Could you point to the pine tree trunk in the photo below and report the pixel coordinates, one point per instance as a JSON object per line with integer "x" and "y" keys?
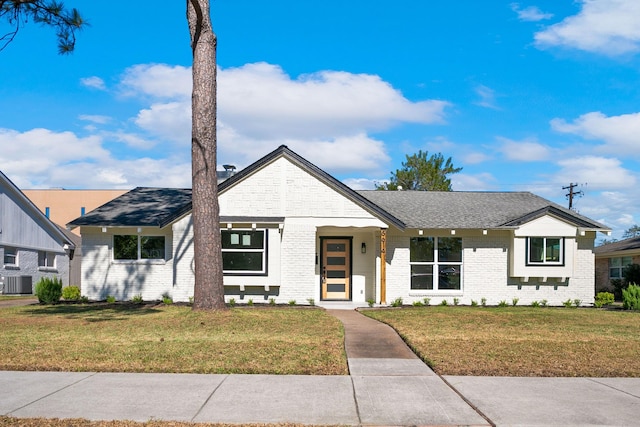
{"x": 208, "y": 288}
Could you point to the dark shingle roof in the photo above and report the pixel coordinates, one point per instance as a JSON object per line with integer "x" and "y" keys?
{"x": 142, "y": 206}
{"x": 623, "y": 245}
{"x": 453, "y": 209}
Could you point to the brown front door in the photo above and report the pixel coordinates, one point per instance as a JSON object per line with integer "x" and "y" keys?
{"x": 336, "y": 269}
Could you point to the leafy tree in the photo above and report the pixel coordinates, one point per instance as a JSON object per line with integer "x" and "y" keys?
{"x": 209, "y": 289}
{"x": 422, "y": 172}
{"x": 632, "y": 232}
{"x": 46, "y": 12}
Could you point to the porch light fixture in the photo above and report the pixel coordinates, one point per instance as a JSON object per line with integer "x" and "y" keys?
{"x": 453, "y": 232}
{"x": 229, "y": 226}
{"x": 104, "y": 229}
{"x": 139, "y": 229}
{"x": 420, "y": 232}
{"x": 363, "y": 248}
{"x": 484, "y": 232}
{"x": 253, "y": 226}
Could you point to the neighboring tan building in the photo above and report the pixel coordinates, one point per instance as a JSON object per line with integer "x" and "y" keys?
{"x": 63, "y": 206}
{"x": 291, "y": 231}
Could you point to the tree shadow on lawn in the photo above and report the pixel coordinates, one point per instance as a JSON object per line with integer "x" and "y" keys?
{"x": 93, "y": 312}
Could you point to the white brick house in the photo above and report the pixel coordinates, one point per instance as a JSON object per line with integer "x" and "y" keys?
{"x": 31, "y": 246}
{"x": 290, "y": 231}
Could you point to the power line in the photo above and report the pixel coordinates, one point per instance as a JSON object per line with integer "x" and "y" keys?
{"x": 572, "y": 194}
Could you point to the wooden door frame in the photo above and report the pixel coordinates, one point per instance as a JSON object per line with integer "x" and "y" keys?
{"x": 350, "y": 272}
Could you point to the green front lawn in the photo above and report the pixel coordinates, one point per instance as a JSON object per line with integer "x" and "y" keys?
{"x": 129, "y": 338}
{"x": 520, "y": 341}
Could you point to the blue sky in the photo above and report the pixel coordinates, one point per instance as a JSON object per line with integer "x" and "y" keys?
{"x": 526, "y": 96}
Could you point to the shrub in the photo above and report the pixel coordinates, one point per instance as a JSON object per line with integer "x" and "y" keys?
{"x": 232, "y": 302}
{"x": 418, "y": 303}
{"x": 397, "y": 302}
{"x": 474, "y": 303}
{"x": 166, "y": 298}
{"x": 371, "y": 302}
{"x": 483, "y": 301}
{"x": 543, "y": 303}
{"x": 456, "y": 301}
{"x": 444, "y": 303}
{"x": 137, "y": 299}
{"x": 292, "y": 302}
{"x": 631, "y": 297}
{"x": 49, "y": 290}
{"x": 618, "y": 285}
{"x": 426, "y": 301}
{"x": 71, "y": 293}
{"x": 568, "y": 303}
{"x": 311, "y": 301}
{"x": 190, "y": 303}
{"x": 250, "y": 302}
{"x": 502, "y": 303}
{"x": 514, "y": 301}
{"x": 111, "y": 299}
{"x": 535, "y": 304}
{"x": 577, "y": 302}
{"x": 84, "y": 299}
{"x": 272, "y": 301}
{"x": 603, "y": 298}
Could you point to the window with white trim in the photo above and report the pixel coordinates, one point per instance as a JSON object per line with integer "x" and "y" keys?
{"x": 244, "y": 251}
{"x": 617, "y": 266}
{"x": 10, "y": 256}
{"x": 46, "y": 259}
{"x": 436, "y": 263}
{"x": 133, "y": 247}
{"x": 545, "y": 251}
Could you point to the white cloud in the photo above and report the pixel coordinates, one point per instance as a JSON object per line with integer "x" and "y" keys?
{"x": 620, "y": 133}
{"x": 598, "y": 173}
{"x": 530, "y": 13}
{"x": 487, "y": 97}
{"x": 478, "y": 182}
{"x": 473, "y": 158}
{"x": 524, "y": 151}
{"x": 171, "y": 120}
{"x": 93, "y": 82}
{"x": 608, "y": 27}
{"x": 95, "y": 118}
{"x": 157, "y": 80}
{"x": 363, "y": 183}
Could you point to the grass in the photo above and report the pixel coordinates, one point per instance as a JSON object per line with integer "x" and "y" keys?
{"x": 171, "y": 338}
{"x": 520, "y": 341}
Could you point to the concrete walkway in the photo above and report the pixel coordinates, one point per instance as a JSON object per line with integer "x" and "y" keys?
{"x": 387, "y": 385}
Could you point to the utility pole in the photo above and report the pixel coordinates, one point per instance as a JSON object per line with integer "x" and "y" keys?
{"x": 571, "y": 194}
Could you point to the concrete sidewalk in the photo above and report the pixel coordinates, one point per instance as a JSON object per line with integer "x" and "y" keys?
{"x": 387, "y": 385}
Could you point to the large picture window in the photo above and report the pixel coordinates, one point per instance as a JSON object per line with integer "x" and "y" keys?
{"x": 436, "y": 263}
{"x": 132, "y": 247}
{"x": 545, "y": 251}
{"x": 617, "y": 266}
{"x": 244, "y": 251}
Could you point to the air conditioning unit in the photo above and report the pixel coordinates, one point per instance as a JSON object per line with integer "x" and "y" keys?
{"x": 18, "y": 285}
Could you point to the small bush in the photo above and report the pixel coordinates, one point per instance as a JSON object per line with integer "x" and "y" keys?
{"x": 514, "y": 302}
{"x": 535, "y": 304}
{"x": 49, "y": 290}
{"x": 397, "y": 302}
{"x": 426, "y": 301}
{"x": 568, "y": 303}
{"x": 631, "y": 297}
{"x": 577, "y": 302}
{"x": 292, "y": 302}
{"x": 250, "y": 302}
{"x": 502, "y": 303}
{"x": 272, "y": 301}
{"x": 474, "y": 303}
{"x": 603, "y": 298}
{"x": 232, "y": 302}
{"x": 111, "y": 299}
{"x": 544, "y": 303}
{"x": 84, "y": 299}
{"x": 371, "y": 302}
{"x": 456, "y": 301}
{"x": 444, "y": 302}
{"x": 137, "y": 299}
{"x": 166, "y": 298}
{"x": 618, "y": 285}
{"x": 71, "y": 293}
{"x": 311, "y": 301}
{"x": 190, "y": 303}
{"x": 418, "y": 303}
{"x": 483, "y": 302}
